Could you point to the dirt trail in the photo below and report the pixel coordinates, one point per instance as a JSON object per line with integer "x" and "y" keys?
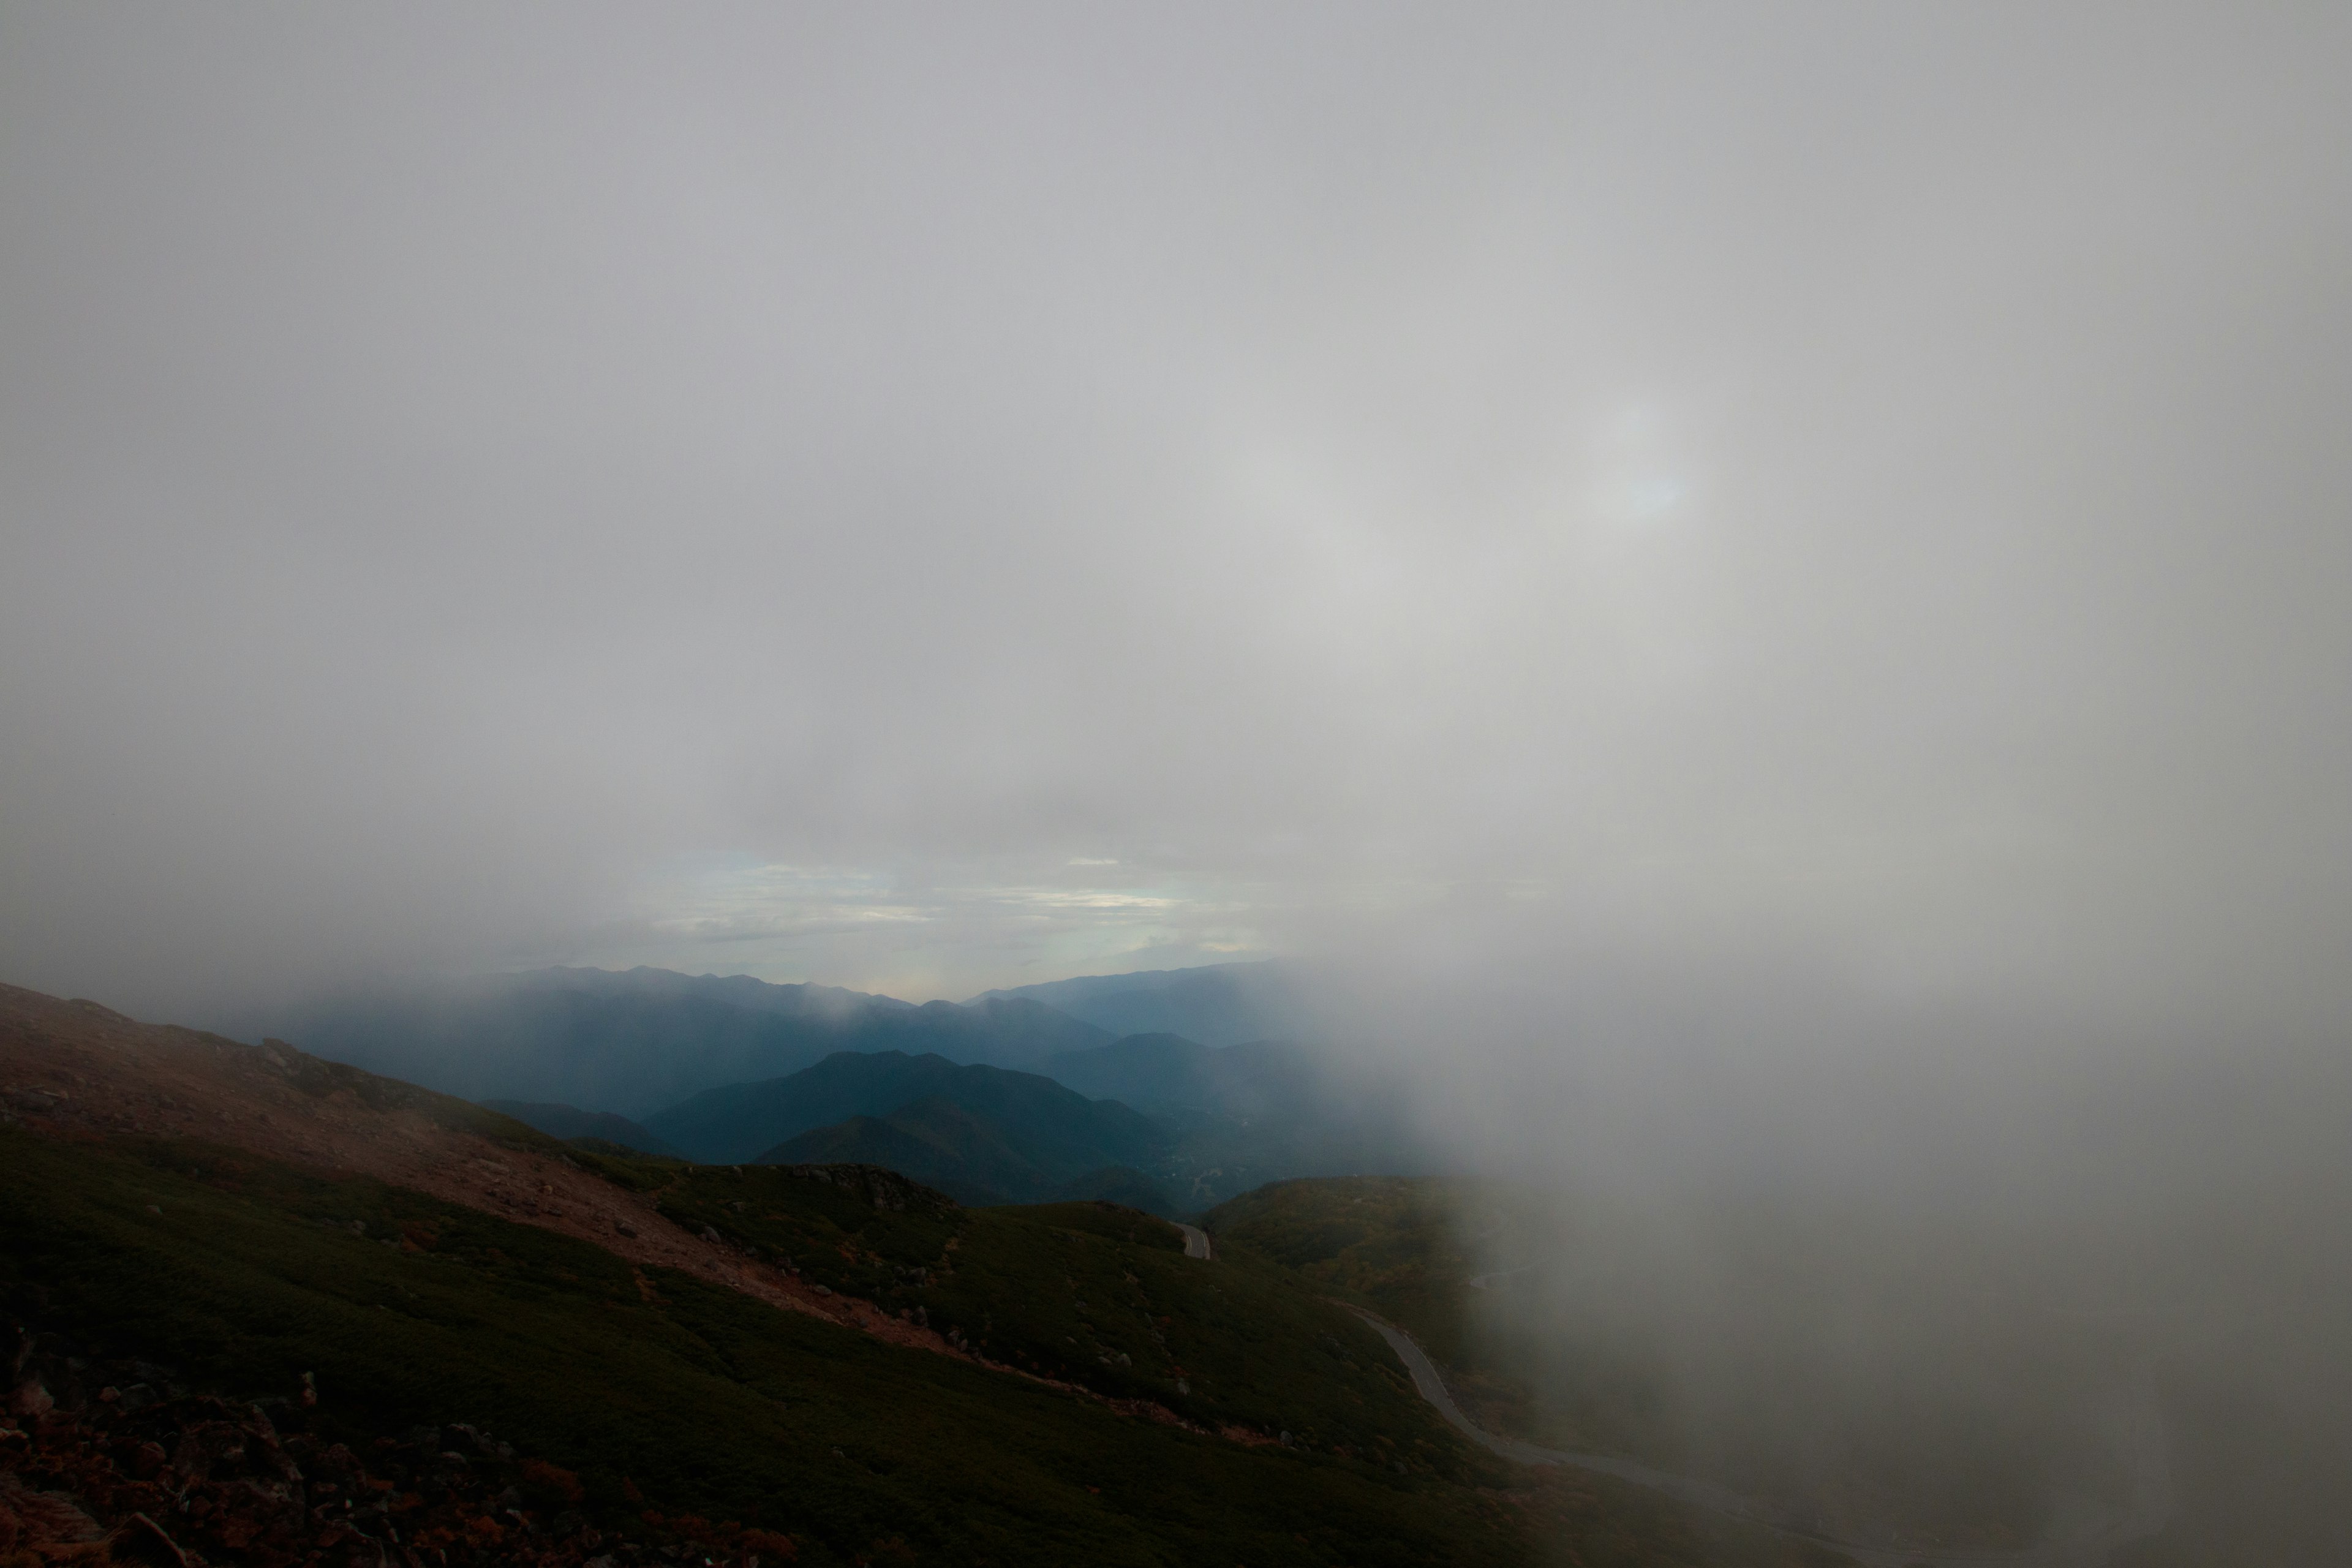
{"x": 2084, "y": 1534}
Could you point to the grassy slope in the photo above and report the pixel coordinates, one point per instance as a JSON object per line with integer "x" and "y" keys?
{"x": 706, "y": 1400}
{"x": 1068, "y": 1290}
{"x": 1389, "y": 1242}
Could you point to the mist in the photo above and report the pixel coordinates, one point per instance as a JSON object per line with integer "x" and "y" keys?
{"x": 1917, "y": 1265}
{"x": 1763, "y": 598}
{"x": 474, "y": 483}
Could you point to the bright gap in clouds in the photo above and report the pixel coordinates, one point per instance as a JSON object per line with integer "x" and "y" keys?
{"x": 919, "y": 938}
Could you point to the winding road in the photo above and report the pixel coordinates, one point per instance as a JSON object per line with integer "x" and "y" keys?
{"x": 2083, "y": 1534}
{"x": 1196, "y": 1241}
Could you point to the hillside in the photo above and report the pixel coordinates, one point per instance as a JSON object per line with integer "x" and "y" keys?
{"x": 940, "y": 1143}
{"x": 1055, "y": 1130}
{"x": 569, "y": 1122}
{"x": 638, "y": 1042}
{"x": 678, "y": 1409}
{"x": 815, "y": 1364}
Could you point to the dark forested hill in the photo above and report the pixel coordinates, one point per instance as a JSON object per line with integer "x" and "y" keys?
{"x": 1054, "y": 1129}
{"x": 634, "y": 1043}
{"x": 970, "y": 1158}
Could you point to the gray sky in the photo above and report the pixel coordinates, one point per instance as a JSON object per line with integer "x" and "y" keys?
{"x": 925, "y": 500}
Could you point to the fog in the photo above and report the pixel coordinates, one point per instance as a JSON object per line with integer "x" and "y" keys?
{"x": 1945, "y": 1268}
{"x": 1764, "y": 595}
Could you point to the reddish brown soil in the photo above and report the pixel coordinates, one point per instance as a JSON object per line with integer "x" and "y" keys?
{"x": 76, "y": 1069}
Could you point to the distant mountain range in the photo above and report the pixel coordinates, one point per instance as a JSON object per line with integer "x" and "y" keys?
{"x": 638, "y": 1042}
{"x": 1015, "y": 1096}
{"x": 1217, "y": 1005}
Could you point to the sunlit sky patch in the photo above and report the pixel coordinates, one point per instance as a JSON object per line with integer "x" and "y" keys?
{"x": 877, "y": 931}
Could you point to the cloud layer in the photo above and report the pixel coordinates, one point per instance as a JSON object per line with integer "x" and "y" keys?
{"x": 480, "y": 488}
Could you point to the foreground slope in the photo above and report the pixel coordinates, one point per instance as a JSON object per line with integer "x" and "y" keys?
{"x": 254, "y": 1279}
{"x": 817, "y": 1364}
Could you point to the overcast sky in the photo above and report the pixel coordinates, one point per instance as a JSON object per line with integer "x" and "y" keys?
{"x": 932, "y": 499}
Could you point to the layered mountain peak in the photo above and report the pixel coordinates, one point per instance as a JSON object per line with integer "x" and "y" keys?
{"x": 635, "y": 1042}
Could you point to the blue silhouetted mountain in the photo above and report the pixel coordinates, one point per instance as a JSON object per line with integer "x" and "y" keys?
{"x": 1060, "y": 1133}
{"x": 1242, "y": 1115}
{"x": 934, "y": 1140}
{"x": 635, "y": 1042}
{"x": 1164, "y": 1073}
{"x": 1217, "y": 1003}
{"x": 569, "y": 1122}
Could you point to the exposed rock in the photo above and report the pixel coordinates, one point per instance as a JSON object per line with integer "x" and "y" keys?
{"x": 198, "y": 1481}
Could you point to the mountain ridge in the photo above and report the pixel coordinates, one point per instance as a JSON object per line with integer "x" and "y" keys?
{"x": 1216, "y": 1004}
{"x": 635, "y": 1042}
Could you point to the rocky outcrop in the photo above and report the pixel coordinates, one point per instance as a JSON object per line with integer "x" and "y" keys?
{"x": 127, "y": 1465}
{"x": 877, "y": 1186}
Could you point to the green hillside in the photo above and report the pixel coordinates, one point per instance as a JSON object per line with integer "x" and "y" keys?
{"x": 243, "y": 1276}
{"x": 1092, "y": 1295}
{"x": 570, "y": 1123}
{"x": 1392, "y": 1243}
